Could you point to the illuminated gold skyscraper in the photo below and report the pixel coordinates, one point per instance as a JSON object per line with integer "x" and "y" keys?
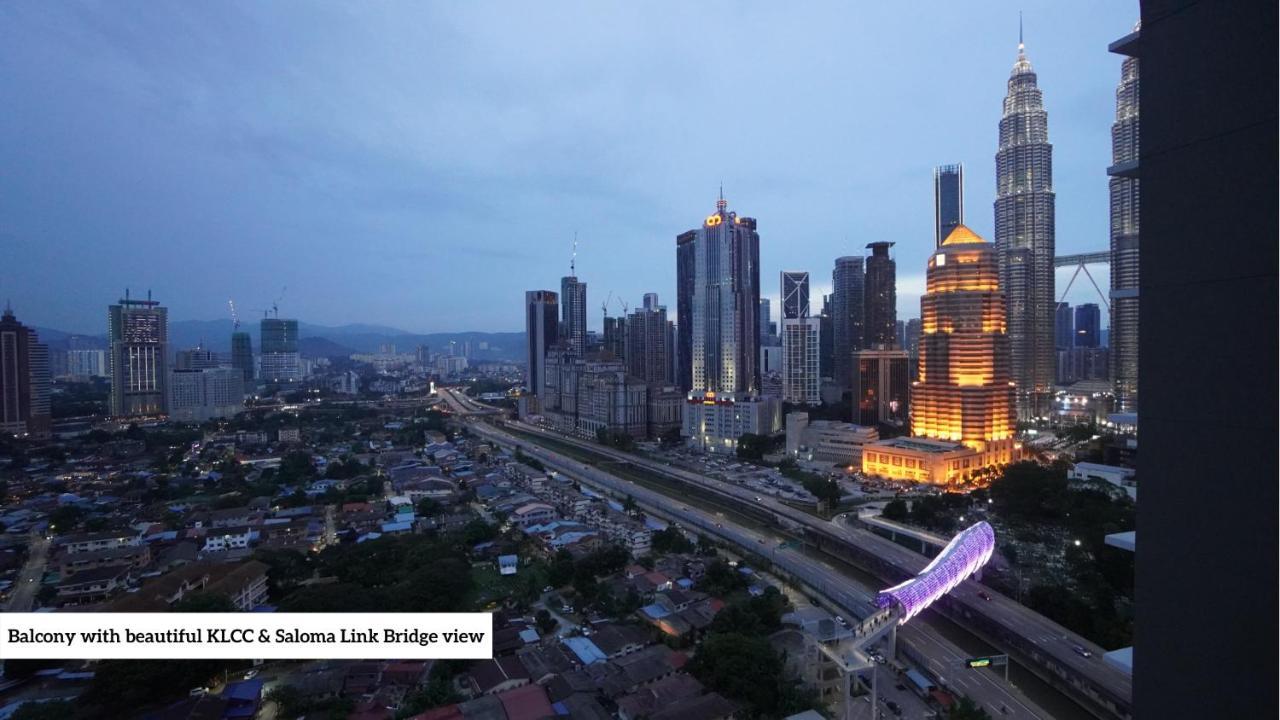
{"x": 964, "y": 393}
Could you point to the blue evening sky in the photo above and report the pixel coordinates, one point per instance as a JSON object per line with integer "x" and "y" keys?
{"x": 422, "y": 164}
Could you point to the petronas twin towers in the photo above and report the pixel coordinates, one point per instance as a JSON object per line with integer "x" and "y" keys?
{"x": 1024, "y": 224}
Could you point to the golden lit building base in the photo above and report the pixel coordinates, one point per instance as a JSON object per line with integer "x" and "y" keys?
{"x": 939, "y": 462}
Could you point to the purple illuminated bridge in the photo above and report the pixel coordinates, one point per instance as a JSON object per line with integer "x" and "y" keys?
{"x": 962, "y": 557}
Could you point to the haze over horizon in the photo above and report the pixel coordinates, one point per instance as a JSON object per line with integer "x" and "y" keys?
{"x": 420, "y": 167}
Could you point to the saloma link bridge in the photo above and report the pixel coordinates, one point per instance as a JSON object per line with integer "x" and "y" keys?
{"x": 1040, "y": 645}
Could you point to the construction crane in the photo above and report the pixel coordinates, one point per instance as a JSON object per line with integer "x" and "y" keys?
{"x": 604, "y": 306}
{"x": 275, "y": 304}
{"x": 235, "y": 319}
{"x": 624, "y": 305}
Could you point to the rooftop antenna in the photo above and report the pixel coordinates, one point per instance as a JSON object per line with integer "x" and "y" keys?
{"x": 573, "y": 259}
{"x": 235, "y": 319}
{"x": 1020, "y": 30}
{"x": 721, "y": 204}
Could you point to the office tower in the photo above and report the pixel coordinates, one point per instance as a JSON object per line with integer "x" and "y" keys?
{"x": 573, "y": 318}
{"x": 881, "y": 387}
{"x": 138, "y": 333}
{"x": 1125, "y": 199}
{"x": 421, "y": 355}
{"x": 614, "y": 341}
{"x": 1064, "y": 327}
{"x": 847, "y": 316}
{"x": 766, "y": 317}
{"x": 674, "y": 354}
{"x": 880, "y": 297}
{"x": 200, "y": 394}
{"x": 196, "y": 358}
{"x": 541, "y": 312}
{"x": 24, "y": 379}
{"x": 963, "y": 394}
{"x": 948, "y": 201}
{"x": 826, "y": 339}
{"x": 801, "y": 342}
{"x": 280, "y": 362}
{"x": 1088, "y": 325}
{"x": 87, "y": 363}
{"x": 1024, "y": 222}
{"x": 685, "y": 266}
{"x": 795, "y": 294}
{"x": 900, "y": 334}
{"x": 725, "y": 336}
{"x": 242, "y": 355}
{"x": 1206, "y": 409}
{"x": 911, "y": 343}
{"x": 801, "y": 374}
{"x": 648, "y": 355}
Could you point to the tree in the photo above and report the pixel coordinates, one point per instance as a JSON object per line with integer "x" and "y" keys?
{"x": 478, "y": 531}
{"x": 560, "y": 571}
{"x": 670, "y": 437}
{"x": 895, "y": 510}
{"x": 629, "y": 505}
{"x": 748, "y": 670}
{"x": 720, "y": 579}
{"x": 546, "y": 623}
{"x": 967, "y": 709}
{"x": 753, "y": 447}
{"x": 65, "y": 518}
{"x": 670, "y": 540}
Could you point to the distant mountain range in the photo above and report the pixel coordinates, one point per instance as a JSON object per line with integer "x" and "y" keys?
{"x": 314, "y": 340}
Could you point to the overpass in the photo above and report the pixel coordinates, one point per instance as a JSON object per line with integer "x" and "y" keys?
{"x": 1041, "y": 645}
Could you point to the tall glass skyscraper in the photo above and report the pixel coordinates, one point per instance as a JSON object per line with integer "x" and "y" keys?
{"x": 541, "y": 311}
{"x": 948, "y": 201}
{"x": 847, "y": 286}
{"x": 1024, "y": 222}
{"x": 1124, "y": 239}
{"x": 795, "y": 294}
{"x": 801, "y": 343}
{"x": 573, "y": 319}
{"x": 725, "y": 301}
{"x": 685, "y": 245}
{"x": 880, "y": 297}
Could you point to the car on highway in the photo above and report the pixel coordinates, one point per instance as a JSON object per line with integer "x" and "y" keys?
{"x": 983, "y": 594}
{"x": 760, "y": 540}
{"x": 1082, "y": 651}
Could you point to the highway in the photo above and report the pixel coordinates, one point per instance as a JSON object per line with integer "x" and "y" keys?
{"x": 23, "y": 597}
{"x": 1041, "y": 645}
{"x": 840, "y": 590}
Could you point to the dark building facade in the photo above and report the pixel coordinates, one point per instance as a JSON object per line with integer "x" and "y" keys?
{"x": 1064, "y": 327}
{"x": 847, "y": 288}
{"x": 880, "y": 298}
{"x": 1024, "y": 224}
{"x": 614, "y": 340}
{"x": 648, "y": 356}
{"x": 24, "y": 379}
{"x": 795, "y": 294}
{"x": 281, "y": 365}
{"x": 1088, "y": 325}
{"x": 948, "y": 201}
{"x": 881, "y": 387}
{"x": 826, "y": 339}
{"x": 1208, "y": 324}
{"x": 573, "y": 318}
{"x": 242, "y": 355}
{"x": 684, "y": 308}
{"x": 542, "y": 330}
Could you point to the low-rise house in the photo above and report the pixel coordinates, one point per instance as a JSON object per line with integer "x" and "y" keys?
{"x": 130, "y": 556}
{"x": 618, "y": 640}
{"x": 490, "y": 677}
{"x": 93, "y": 585}
{"x": 711, "y": 706}
{"x": 91, "y": 542}
{"x": 662, "y": 694}
{"x": 224, "y": 539}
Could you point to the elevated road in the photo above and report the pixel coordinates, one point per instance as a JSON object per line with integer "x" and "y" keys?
{"x": 1062, "y": 658}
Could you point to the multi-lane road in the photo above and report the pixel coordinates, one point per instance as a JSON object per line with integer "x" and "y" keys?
{"x": 839, "y": 589}
{"x": 23, "y": 597}
{"x": 1071, "y": 662}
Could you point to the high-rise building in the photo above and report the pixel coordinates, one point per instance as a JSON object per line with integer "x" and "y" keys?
{"x": 648, "y": 355}
{"x": 948, "y": 201}
{"x": 242, "y": 355}
{"x": 1064, "y": 327}
{"x": 614, "y": 340}
{"x": 725, "y": 302}
{"x": 685, "y": 277}
{"x": 848, "y": 283}
{"x": 541, "y": 312}
{"x": 1088, "y": 322}
{"x": 963, "y": 393}
{"x": 801, "y": 342}
{"x": 200, "y": 394}
{"x": 1125, "y": 199}
{"x": 24, "y": 379}
{"x": 280, "y": 362}
{"x": 881, "y": 387}
{"x": 1024, "y": 222}
{"x": 911, "y": 342}
{"x": 87, "y": 363}
{"x": 826, "y": 339}
{"x": 573, "y": 318}
{"x": 880, "y": 297}
{"x": 766, "y": 317}
{"x": 795, "y": 294}
{"x": 900, "y": 333}
{"x": 196, "y": 358}
{"x": 138, "y": 333}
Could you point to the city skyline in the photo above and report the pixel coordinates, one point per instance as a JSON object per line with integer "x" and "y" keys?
{"x": 338, "y": 161}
